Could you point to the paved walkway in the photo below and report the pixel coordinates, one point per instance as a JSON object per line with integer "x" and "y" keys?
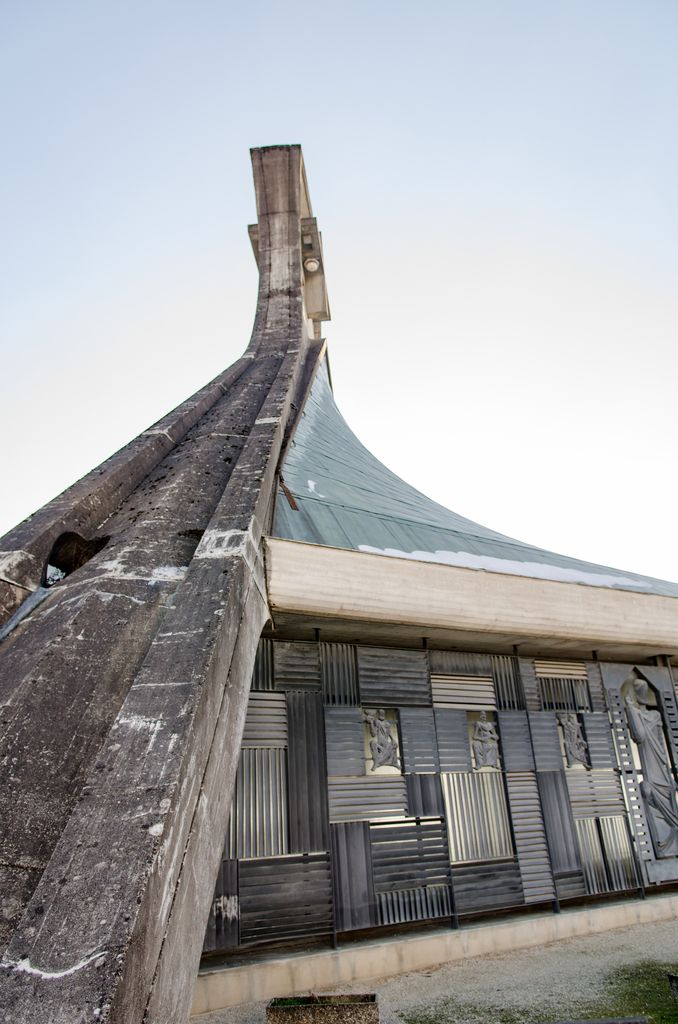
{"x": 555, "y": 978}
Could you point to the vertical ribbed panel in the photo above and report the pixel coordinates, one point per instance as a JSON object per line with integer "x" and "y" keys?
{"x": 545, "y": 741}
{"x": 507, "y": 682}
{"x": 307, "y": 774}
{"x": 424, "y": 796}
{"x": 339, "y": 674}
{"x": 530, "y": 837}
{"x": 559, "y": 823}
{"x": 463, "y": 692}
{"x": 266, "y": 722}
{"x": 391, "y": 678}
{"x": 591, "y": 851}
{"x": 566, "y": 694}
{"x": 260, "y": 805}
{"x": 516, "y": 745}
{"x": 296, "y": 665}
{"x": 528, "y": 679}
{"x": 595, "y": 681}
{"x": 262, "y": 678}
{"x": 621, "y": 863}
{"x": 345, "y": 740}
{"x": 453, "y": 663}
{"x": 354, "y": 901}
{"x": 599, "y": 740}
{"x": 477, "y": 818}
{"x": 418, "y": 736}
{"x": 414, "y": 904}
{"x": 629, "y": 777}
{"x": 454, "y": 749}
{"x": 222, "y": 926}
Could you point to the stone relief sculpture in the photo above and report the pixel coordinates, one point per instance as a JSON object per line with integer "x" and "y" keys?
{"x": 576, "y": 748}
{"x": 383, "y": 744}
{"x": 658, "y": 787}
{"x": 485, "y": 743}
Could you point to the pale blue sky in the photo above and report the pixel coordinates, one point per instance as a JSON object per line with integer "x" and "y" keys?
{"x": 495, "y": 183}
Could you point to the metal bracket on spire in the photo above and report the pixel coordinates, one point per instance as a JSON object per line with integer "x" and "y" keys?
{"x": 315, "y": 287}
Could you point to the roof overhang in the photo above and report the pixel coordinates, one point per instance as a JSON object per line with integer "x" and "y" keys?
{"x": 354, "y": 595}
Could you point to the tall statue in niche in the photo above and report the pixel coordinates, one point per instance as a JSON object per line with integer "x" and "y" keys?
{"x": 576, "y": 748}
{"x": 658, "y": 787}
{"x": 485, "y": 743}
{"x": 383, "y": 745}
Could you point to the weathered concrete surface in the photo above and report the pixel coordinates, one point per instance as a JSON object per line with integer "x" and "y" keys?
{"x": 124, "y": 694}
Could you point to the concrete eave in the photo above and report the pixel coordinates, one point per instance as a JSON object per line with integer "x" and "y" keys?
{"x": 315, "y": 583}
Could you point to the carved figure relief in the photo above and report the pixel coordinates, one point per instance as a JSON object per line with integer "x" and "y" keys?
{"x": 576, "y": 748}
{"x": 658, "y": 787}
{"x": 383, "y": 744}
{"x": 485, "y": 743}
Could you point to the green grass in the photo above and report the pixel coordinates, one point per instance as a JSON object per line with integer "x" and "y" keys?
{"x": 639, "y": 990}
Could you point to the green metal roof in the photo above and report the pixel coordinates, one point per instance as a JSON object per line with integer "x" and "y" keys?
{"x": 346, "y": 498}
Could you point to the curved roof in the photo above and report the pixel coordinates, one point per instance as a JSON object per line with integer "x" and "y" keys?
{"x": 346, "y": 498}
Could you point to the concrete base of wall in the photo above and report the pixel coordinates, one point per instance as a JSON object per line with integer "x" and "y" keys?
{"x": 220, "y": 987}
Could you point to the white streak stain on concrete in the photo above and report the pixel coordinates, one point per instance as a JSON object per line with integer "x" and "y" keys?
{"x": 26, "y": 967}
{"x": 266, "y": 419}
{"x": 223, "y": 543}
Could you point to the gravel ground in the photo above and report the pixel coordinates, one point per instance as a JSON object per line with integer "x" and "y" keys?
{"x": 558, "y": 976}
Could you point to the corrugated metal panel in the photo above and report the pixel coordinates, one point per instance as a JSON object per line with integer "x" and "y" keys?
{"x": 354, "y": 900}
{"x": 297, "y": 666}
{"x": 418, "y": 736}
{"x": 621, "y": 864}
{"x": 463, "y": 691}
{"x": 593, "y": 793}
{"x": 559, "y": 823}
{"x": 459, "y": 663}
{"x": 506, "y": 675}
{"x": 629, "y": 776}
{"x": 345, "y": 739}
{"x": 285, "y": 898}
{"x": 391, "y": 678}
{"x": 454, "y": 750}
{"x": 599, "y": 740}
{"x": 516, "y": 745}
{"x": 481, "y": 887}
{"x": 339, "y": 674}
{"x": 559, "y": 669}
{"x": 379, "y": 796}
{"x": 266, "y": 721}
{"x": 222, "y": 926}
{"x": 591, "y": 855}
{"x": 409, "y": 854}
{"x": 529, "y": 683}
{"x": 595, "y": 681}
{"x": 307, "y": 774}
{"x": 545, "y": 741}
{"x": 262, "y": 678}
{"x": 570, "y": 885}
{"x": 530, "y": 837}
{"x": 356, "y": 502}
{"x": 422, "y": 904}
{"x": 477, "y": 817}
{"x": 564, "y": 694}
{"x": 424, "y": 796}
{"x": 259, "y": 815}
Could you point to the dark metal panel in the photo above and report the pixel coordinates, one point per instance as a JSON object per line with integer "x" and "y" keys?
{"x": 258, "y": 821}
{"x": 354, "y": 900}
{"x": 285, "y": 898}
{"x": 559, "y": 823}
{"x": 422, "y": 904}
{"x": 345, "y": 739}
{"x": 391, "y": 678}
{"x": 365, "y": 799}
{"x": 452, "y": 663}
{"x": 599, "y": 740}
{"x": 619, "y": 859}
{"x": 566, "y": 694}
{"x": 307, "y": 774}
{"x": 570, "y": 885}
{"x": 516, "y": 745}
{"x": 595, "y": 681}
{"x": 454, "y": 749}
{"x": 409, "y": 854}
{"x": 262, "y": 678}
{"x": 545, "y": 741}
{"x": 471, "y": 692}
{"x": 418, "y": 736}
{"x": 593, "y": 861}
{"x": 222, "y": 927}
{"x": 424, "y": 796}
{"x": 297, "y": 665}
{"x": 477, "y": 816}
{"x": 339, "y": 674}
{"x": 530, "y": 837}
{"x": 507, "y": 684}
{"x": 528, "y": 678}
{"x": 266, "y": 721}
{"x": 479, "y": 887}
{"x": 593, "y": 793}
